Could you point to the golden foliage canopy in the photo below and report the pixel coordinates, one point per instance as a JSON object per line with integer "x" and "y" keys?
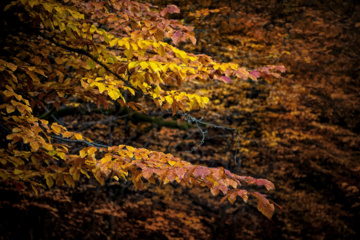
{"x": 70, "y": 52}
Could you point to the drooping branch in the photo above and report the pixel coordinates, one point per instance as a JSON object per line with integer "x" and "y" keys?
{"x": 85, "y": 53}
{"x": 92, "y": 144}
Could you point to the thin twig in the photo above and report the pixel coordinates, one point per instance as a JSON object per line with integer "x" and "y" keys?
{"x": 97, "y": 145}
{"x": 85, "y": 53}
{"x": 191, "y": 119}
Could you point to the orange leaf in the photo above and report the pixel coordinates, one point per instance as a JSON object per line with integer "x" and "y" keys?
{"x": 171, "y": 175}
{"x": 56, "y": 128}
{"x": 243, "y": 194}
{"x": 232, "y": 197}
{"x": 180, "y": 172}
{"x": 202, "y": 172}
{"x": 264, "y": 206}
{"x": 147, "y": 173}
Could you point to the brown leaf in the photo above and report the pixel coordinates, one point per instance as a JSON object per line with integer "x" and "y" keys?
{"x": 264, "y": 206}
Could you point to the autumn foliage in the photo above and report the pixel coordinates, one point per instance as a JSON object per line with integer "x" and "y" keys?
{"x": 311, "y": 113}
{"x": 104, "y": 55}
{"x": 87, "y": 87}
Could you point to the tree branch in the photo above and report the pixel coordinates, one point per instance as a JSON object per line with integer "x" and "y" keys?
{"x": 85, "y": 53}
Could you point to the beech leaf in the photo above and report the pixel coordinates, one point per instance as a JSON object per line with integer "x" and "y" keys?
{"x": 225, "y": 79}
{"x": 263, "y": 205}
{"x": 176, "y": 37}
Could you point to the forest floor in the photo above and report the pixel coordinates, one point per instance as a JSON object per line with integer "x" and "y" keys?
{"x": 301, "y": 132}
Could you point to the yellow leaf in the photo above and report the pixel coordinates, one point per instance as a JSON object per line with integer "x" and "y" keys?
{"x": 114, "y": 93}
{"x": 48, "y": 7}
{"x": 99, "y": 177}
{"x": 76, "y": 174}
{"x": 49, "y": 181}
{"x": 130, "y": 148}
{"x": 182, "y": 73}
{"x": 69, "y": 180}
{"x": 199, "y": 100}
{"x": 16, "y": 161}
{"x": 111, "y": 59}
{"x": 141, "y": 52}
{"x": 82, "y": 153}
{"x": 144, "y": 65}
{"x": 16, "y": 130}
{"x": 133, "y": 64}
{"x": 100, "y": 85}
{"x": 172, "y": 163}
{"x": 106, "y": 159}
{"x": 224, "y": 66}
{"x": 17, "y": 171}
{"x": 134, "y": 46}
{"x": 35, "y": 190}
{"x": 34, "y": 146}
{"x": 113, "y": 42}
{"x": 154, "y": 66}
{"x": 35, "y": 160}
{"x": 129, "y": 53}
{"x": 161, "y": 50}
{"x": 91, "y": 151}
{"x": 62, "y": 155}
{"x": 169, "y": 99}
{"x": 217, "y": 66}
{"x": 183, "y": 55}
{"x": 91, "y": 63}
{"x": 205, "y": 99}
{"x": 78, "y": 136}
{"x": 48, "y": 146}
{"x": 101, "y": 72}
{"x": 132, "y": 91}
{"x": 12, "y": 66}
{"x": 92, "y": 29}
{"x": 59, "y": 60}
{"x": 55, "y": 127}
{"x": 85, "y": 173}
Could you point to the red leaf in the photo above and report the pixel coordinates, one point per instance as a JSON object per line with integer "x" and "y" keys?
{"x": 169, "y": 9}
{"x": 192, "y": 39}
{"x": 280, "y": 68}
{"x": 180, "y": 172}
{"x": 159, "y": 172}
{"x": 189, "y": 172}
{"x": 242, "y": 73}
{"x": 255, "y": 74}
{"x": 231, "y": 182}
{"x": 223, "y": 188}
{"x": 263, "y": 182}
{"x": 172, "y": 9}
{"x": 163, "y": 12}
{"x": 202, "y": 172}
{"x": 217, "y": 173}
{"x": 171, "y": 175}
{"x": 225, "y": 79}
{"x": 147, "y": 173}
{"x": 215, "y": 190}
{"x": 243, "y": 194}
{"x": 176, "y": 37}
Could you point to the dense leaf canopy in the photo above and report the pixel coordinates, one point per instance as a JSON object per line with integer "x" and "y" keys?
{"x": 70, "y": 53}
